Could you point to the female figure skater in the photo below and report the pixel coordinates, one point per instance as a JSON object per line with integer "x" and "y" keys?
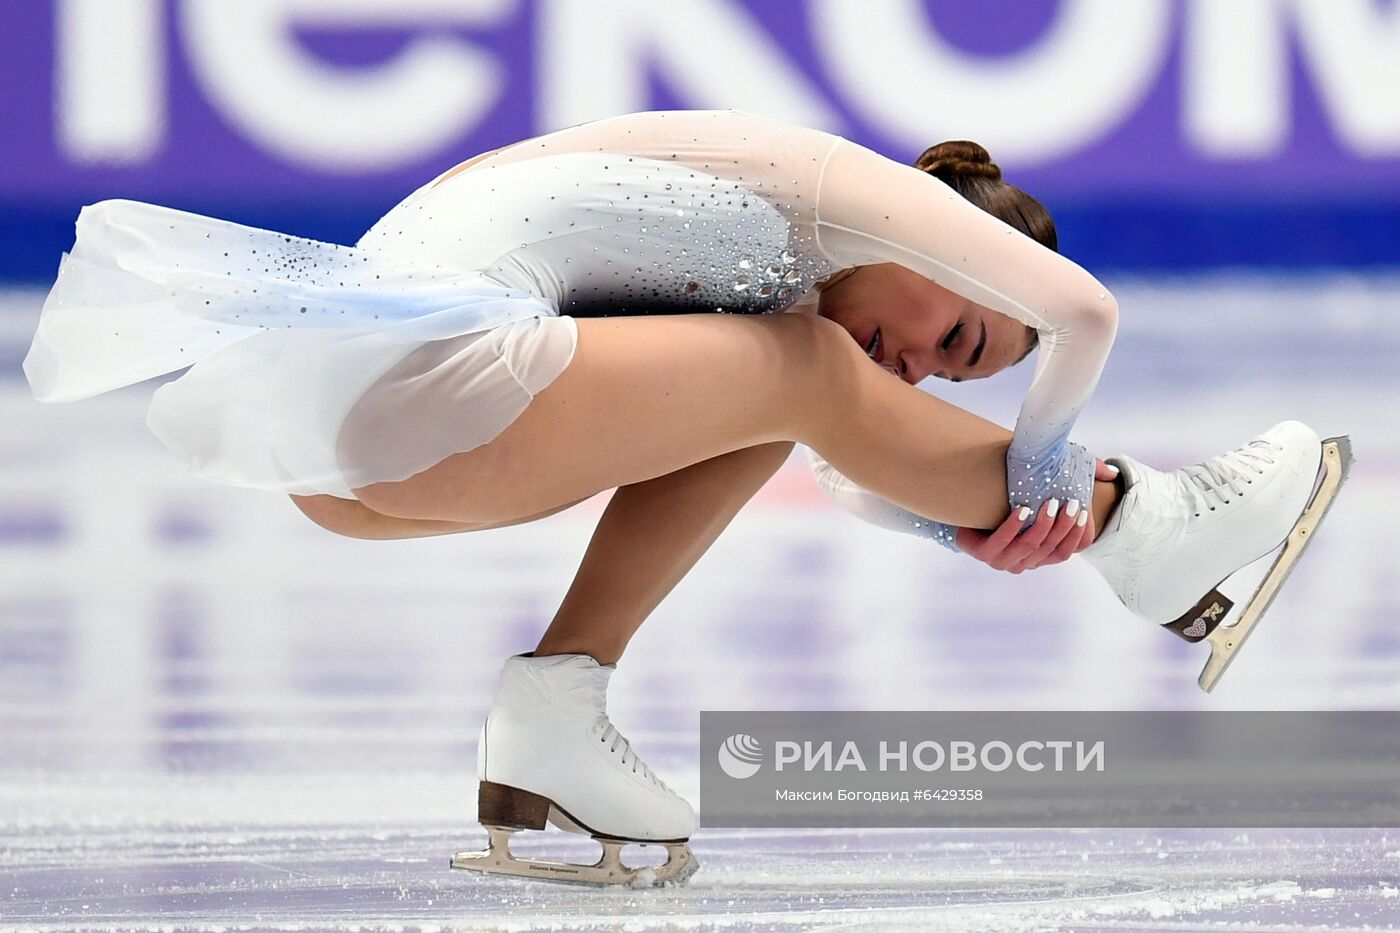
{"x": 516, "y": 336}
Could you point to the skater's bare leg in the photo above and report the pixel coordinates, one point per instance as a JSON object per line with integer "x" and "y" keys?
{"x": 644, "y": 397}
{"x": 353, "y": 519}
{"x": 648, "y": 538}
{"x": 1106, "y": 496}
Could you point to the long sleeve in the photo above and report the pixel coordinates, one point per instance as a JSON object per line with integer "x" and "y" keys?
{"x": 872, "y": 209}
{"x": 869, "y": 507}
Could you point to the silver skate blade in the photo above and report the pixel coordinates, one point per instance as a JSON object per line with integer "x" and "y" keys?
{"x": 609, "y": 870}
{"x": 1226, "y": 640}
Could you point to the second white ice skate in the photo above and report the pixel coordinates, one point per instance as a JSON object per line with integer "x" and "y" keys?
{"x": 1178, "y": 535}
{"x": 549, "y": 754}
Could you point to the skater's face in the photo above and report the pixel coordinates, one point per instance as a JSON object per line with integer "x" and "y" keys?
{"x": 916, "y": 328}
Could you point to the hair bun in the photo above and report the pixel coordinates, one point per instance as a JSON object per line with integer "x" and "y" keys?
{"x": 958, "y": 158}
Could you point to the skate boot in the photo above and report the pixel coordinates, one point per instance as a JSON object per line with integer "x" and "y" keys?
{"x": 548, "y": 753}
{"x": 1178, "y": 535}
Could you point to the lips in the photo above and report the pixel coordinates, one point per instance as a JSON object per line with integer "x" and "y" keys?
{"x": 875, "y": 349}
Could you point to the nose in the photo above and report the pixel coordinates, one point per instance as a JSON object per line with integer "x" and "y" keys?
{"x": 913, "y": 367}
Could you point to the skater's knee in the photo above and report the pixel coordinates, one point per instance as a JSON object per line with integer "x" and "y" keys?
{"x": 822, "y": 362}
{"x": 843, "y": 360}
{"x": 824, "y": 370}
{"x": 819, "y": 339}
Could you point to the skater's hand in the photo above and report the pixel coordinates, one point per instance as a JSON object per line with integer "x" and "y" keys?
{"x": 1052, "y": 538}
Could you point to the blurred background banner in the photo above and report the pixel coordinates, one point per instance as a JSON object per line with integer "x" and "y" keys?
{"x": 1164, "y": 134}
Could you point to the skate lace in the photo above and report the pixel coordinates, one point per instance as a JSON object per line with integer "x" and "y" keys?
{"x": 621, "y": 746}
{"x": 1227, "y": 473}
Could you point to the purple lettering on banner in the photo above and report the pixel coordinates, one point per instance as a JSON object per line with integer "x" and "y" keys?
{"x": 203, "y": 104}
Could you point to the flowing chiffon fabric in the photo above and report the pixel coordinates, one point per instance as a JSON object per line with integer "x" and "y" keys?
{"x": 283, "y": 336}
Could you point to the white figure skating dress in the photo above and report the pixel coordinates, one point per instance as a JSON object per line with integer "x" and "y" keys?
{"x": 317, "y": 368}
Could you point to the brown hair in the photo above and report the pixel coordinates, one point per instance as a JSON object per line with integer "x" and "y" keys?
{"x": 968, "y": 169}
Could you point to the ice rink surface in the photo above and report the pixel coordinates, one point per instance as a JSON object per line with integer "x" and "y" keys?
{"x": 215, "y": 715}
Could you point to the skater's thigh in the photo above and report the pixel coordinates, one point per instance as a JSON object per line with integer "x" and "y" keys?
{"x": 642, "y": 397}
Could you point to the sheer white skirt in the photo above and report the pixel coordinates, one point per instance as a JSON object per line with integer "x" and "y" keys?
{"x": 312, "y": 368}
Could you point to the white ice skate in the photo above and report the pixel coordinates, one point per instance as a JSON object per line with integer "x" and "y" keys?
{"x": 548, "y": 753}
{"x": 1177, "y": 535}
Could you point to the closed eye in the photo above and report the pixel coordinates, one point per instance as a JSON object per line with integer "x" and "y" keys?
{"x": 977, "y": 351}
{"x": 952, "y": 335}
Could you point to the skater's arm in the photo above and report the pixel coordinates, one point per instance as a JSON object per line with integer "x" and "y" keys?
{"x": 872, "y": 209}
{"x": 869, "y": 507}
{"x": 1054, "y": 536}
